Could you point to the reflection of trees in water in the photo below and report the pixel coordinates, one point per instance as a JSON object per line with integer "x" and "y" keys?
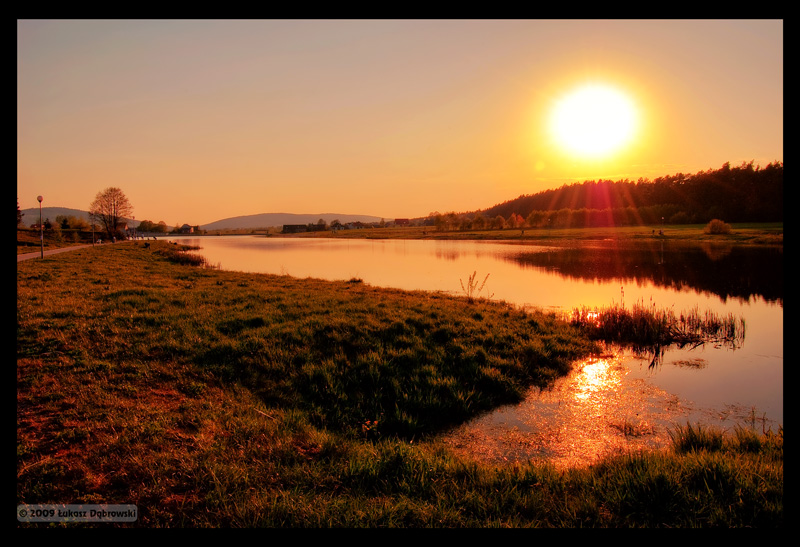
{"x": 726, "y": 271}
{"x": 716, "y": 252}
{"x": 447, "y": 255}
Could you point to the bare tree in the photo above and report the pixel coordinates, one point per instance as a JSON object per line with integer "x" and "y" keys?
{"x": 109, "y": 208}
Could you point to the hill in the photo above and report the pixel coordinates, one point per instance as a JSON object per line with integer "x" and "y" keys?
{"x": 265, "y": 220}
{"x": 746, "y": 193}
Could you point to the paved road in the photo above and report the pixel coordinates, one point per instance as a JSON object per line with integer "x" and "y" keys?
{"x": 38, "y": 253}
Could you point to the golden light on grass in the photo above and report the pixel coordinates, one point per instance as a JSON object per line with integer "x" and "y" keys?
{"x": 593, "y": 120}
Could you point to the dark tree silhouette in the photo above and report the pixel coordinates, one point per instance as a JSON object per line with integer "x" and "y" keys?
{"x": 109, "y": 208}
{"x": 746, "y": 193}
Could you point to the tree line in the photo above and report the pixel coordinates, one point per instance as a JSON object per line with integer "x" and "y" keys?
{"x": 746, "y": 193}
{"x": 107, "y": 214}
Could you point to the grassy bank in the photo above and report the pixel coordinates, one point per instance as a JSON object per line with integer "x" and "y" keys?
{"x": 212, "y": 398}
{"x": 755, "y": 233}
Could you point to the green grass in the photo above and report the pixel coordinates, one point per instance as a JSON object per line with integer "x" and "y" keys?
{"x": 212, "y": 398}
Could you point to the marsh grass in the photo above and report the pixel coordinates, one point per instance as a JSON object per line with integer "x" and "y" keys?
{"x": 647, "y": 328}
{"x": 473, "y": 289}
{"x": 212, "y": 398}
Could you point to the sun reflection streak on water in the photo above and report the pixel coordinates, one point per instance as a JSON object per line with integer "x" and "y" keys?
{"x": 595, "y": 377}
{"x": 597, "y": 411}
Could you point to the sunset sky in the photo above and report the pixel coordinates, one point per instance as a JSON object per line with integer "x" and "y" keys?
{"x": 200, "y": 120}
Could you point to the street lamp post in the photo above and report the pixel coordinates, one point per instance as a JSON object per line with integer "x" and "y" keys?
{"x": 41, "y": 227}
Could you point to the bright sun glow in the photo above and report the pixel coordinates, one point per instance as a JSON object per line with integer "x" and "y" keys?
{"x": 593, "y": 120}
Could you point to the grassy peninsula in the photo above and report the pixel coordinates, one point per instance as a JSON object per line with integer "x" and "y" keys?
{"x": 212, "y": 398}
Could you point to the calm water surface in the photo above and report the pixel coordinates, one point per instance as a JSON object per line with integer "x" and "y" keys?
{"x": 607, "y": 404}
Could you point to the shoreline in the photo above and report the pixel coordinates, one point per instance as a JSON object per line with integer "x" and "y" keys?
{"x": 768, "y": 233}
{"x": 751, "y": 233}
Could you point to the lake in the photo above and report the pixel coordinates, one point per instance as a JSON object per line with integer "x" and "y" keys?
{"x": 615, "y": 402}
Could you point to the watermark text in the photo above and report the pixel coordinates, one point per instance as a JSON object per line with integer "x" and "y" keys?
{"x": 57, "y": 512}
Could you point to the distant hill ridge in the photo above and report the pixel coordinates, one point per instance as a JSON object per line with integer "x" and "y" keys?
{"x": 263, "y": 220}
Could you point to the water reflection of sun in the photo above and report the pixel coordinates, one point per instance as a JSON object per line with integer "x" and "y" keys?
{"x": 595, "y": 376}
{"x": 596, "y": 411}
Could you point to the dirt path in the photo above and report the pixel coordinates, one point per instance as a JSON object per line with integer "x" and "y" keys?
{"x": 37, "y": 254}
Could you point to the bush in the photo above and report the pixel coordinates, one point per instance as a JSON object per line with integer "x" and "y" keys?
{"x": 716, "y": 226}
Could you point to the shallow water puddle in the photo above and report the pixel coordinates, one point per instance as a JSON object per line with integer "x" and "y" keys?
{"x": 598, "y": 410}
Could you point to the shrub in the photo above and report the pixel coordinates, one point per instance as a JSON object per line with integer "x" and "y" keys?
{"x": 716, "y": 226}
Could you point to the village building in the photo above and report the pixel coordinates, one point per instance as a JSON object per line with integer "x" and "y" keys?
{"x": 301, "y": 228}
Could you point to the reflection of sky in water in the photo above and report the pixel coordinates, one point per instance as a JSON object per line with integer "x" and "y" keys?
{"x": 590, "y": 410}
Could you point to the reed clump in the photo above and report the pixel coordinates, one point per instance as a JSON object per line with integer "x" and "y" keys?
{"x": 647, "y": 326}
{"x": 473, "y": 288}
{"x": 180, "y": 254}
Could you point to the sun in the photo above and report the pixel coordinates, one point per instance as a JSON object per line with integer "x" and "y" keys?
{"x": 593, "y": 120}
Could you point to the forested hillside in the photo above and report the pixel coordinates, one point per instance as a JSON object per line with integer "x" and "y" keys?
{"x": 746, "y": 193}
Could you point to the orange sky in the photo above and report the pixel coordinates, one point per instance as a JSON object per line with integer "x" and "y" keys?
{"x": 200, "y": 120}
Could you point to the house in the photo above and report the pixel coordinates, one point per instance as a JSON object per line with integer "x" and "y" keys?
{"x": 186, "y": 229}
{"x": 300, "y": 228}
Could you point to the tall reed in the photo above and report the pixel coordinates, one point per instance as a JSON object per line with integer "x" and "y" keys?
{"x": 651, "y": 328}
{"x": 472, "y": 289}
